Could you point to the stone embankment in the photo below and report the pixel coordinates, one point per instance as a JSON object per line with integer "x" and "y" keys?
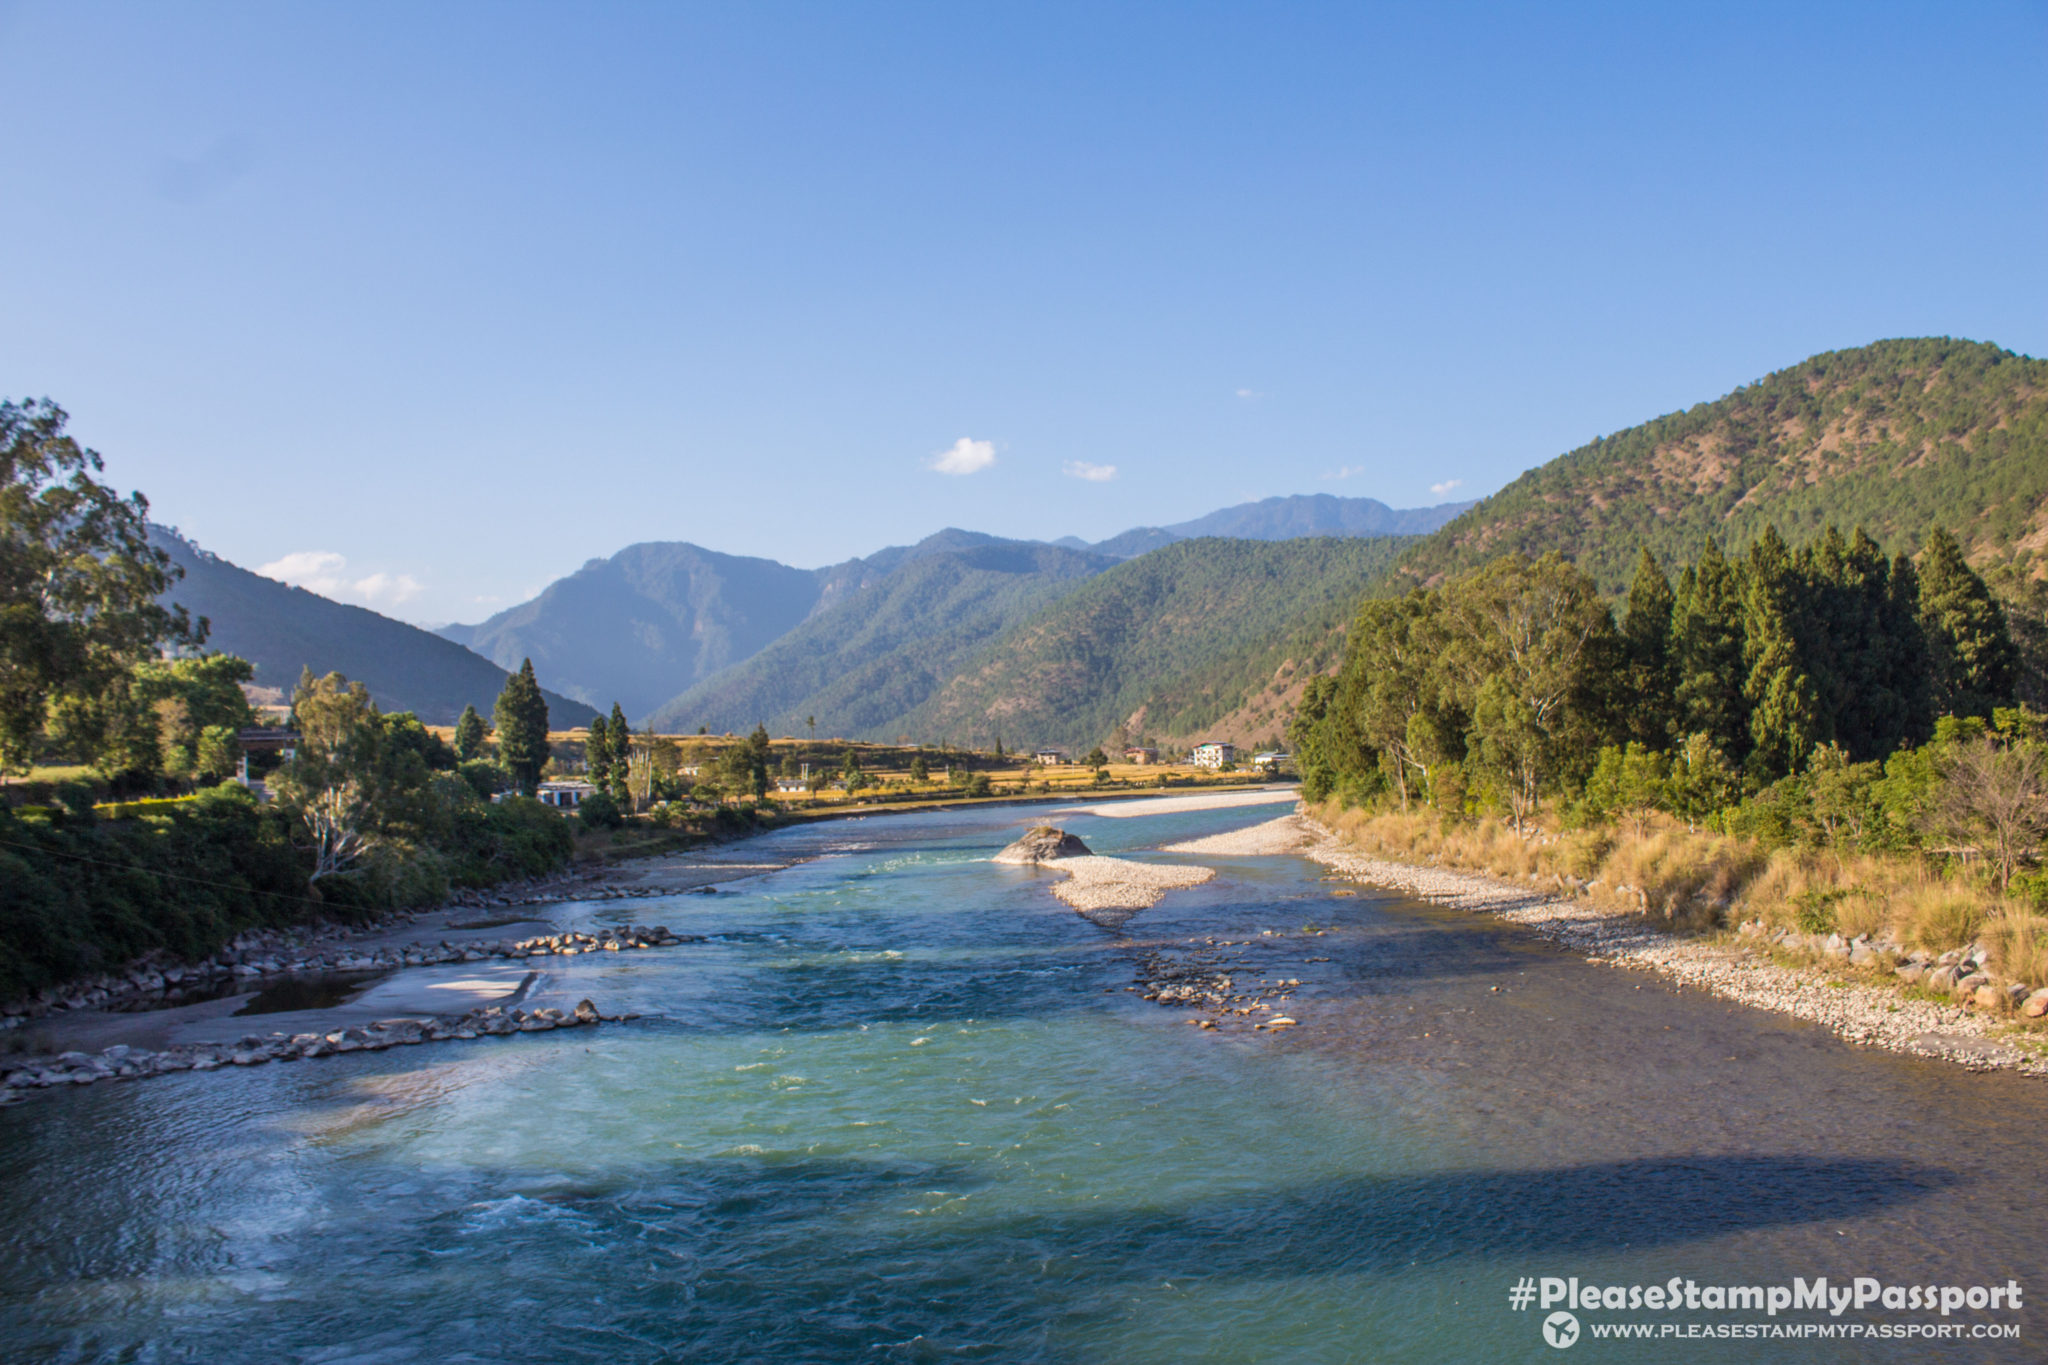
{"x": 123, "y": 1063}
{"x": 1871, "y": 1014}
{"x": 266, "y": 955}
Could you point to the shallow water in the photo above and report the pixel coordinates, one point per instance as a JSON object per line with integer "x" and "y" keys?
{"x": 901, "y": 1107}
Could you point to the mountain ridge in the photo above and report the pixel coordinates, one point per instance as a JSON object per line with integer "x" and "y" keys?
{"x": 281, "y": 629}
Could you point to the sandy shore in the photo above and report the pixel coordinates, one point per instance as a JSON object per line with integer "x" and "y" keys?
{"x": 1871, "y": 1015}
{"x": 1169, "y": 805}
{"x": 1288, "y": 834}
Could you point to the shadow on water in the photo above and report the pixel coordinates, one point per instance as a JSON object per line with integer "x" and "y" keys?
{"x": 816, "y": 1259}
{"x": 1356, "y": 1224}
{"x": 313, "y": 992}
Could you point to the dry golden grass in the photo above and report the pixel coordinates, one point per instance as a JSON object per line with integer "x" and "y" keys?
{"x": 1696, "y": 881}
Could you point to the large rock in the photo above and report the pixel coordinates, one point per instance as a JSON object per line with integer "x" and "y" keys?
{"x": 1042, "y": 844}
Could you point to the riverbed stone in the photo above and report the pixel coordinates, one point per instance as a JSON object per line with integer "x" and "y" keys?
{"x": 1044, "y": 844}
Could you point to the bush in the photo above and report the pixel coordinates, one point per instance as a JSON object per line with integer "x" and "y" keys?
{"x": 485, "y": 778}
{"x": 80, "y": 895}
{"x": 599, "y": 811}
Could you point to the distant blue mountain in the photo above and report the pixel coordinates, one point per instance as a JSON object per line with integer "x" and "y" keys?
{"x": 1304, "y": 514}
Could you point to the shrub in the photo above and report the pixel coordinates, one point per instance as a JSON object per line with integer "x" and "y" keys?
{"x": 1944, "y": 917}
{"x": 598, "y": 811}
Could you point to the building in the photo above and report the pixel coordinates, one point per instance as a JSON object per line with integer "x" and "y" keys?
{"x": 1214, "y": 754}
{"x": 792, "y": 785}
{"x": 1049, "y": 757}
{"x": 1141, "y": 754}
{"x": 566, "y": 795}
{"x": 1273, "y": 760}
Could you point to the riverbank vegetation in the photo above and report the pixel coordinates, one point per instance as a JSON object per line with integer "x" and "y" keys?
{"x": 1822, "y": 739}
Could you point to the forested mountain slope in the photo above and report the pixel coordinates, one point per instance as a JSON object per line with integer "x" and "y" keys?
{"x": 646, "y": 623}
{"x": 1163, "y": 646}
{"x": 1897, "y": 437}
{"x": 858, "y": 665}
{"x": 282, "y": 629}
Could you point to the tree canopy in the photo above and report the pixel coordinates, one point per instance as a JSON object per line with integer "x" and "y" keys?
{"x": 79, "y": 580}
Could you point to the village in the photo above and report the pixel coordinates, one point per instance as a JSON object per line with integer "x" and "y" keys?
{"x": 672, "y": 775}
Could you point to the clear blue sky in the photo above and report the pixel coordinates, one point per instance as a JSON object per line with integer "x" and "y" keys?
{"x": 465, "y": 295}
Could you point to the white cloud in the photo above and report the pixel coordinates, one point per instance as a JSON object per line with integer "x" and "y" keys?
{"x": 1249, "y": 394}
{"x": 1347, "y": 471}
{"x": 1093, "y": 473}
{"x": 1446, "y": 486}
{"x": 965, "y": 456}
{"x": 325, "y": 572}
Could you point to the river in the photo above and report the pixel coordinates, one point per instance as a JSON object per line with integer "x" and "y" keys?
{"x": 900, "y": 1106}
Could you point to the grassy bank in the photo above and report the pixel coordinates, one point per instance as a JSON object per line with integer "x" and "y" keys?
{"x": 1702, "y": 883}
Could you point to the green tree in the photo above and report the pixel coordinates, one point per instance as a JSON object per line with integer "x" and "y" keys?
{"x": 1631, "y": 784}
{"x": 621, "y": 756}
{"x": 469, "y": 735}
{"x": 920, "y": 771}
{"x": 1531, "y": 641}
{"x": 1972, "y": 661}
{"x": 1784, "y": 708}
{"x": 1702, "y": 781}
{"x": 1651, "y": 704}
{"x": 597, "y": 754}
{"x": 1840, "y": 796}
{"x": 332, "y": 782}
{"x": 521, "y": 720}
{"x": 1095, "y": 758}
{"x": 1707, "y": 652}
{"x": 79, "y": 581}
{"x": 1390, "y": 708}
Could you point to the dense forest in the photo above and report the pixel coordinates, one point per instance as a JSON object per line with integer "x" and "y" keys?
{"x": 1505, "y": 685}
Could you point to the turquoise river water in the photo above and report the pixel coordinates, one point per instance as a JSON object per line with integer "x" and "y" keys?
{"x": 901, "y": 1107}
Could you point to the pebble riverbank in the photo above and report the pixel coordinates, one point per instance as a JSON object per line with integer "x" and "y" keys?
{"x": 262, "y": 956}
{"x": 121, "y": 1063}
{"x": 1876, "y": 1016}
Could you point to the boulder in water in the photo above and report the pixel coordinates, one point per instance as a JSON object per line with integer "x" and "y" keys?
{"x": 1043, "y": 844}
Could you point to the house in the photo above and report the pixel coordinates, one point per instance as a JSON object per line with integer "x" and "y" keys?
{"x": 1272, "y": 760}
{"x": 1049, "y": 757}
{"x": 791, "y": 785}
{"x": 263, "y": 740}
{"x": 566, "y": 795}
{"x": 1141, "y": 754}
{"x": 1214, "y": 754}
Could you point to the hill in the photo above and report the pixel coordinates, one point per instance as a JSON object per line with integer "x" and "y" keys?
{"x": 894, "y": 632}
{"x": 1305, "y": 514}
{"x": 1199, "y": 636}
{"x": 647, "y": 622}
{"x": 282, "y": 629}
{"x": 1896, "y": 436}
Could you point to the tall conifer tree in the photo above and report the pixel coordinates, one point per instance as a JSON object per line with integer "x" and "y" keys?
{"x": 621, "y": 753}
{"x": 1651, "y": 708}
{"x": 1784, "y": 715}
{"x": 521, "y": 720}
{"x": 1707, "y": 646}
{"x": 469, "y": 735}
{"x": 597, "y": 752}
{"x": 1970, "y": 651}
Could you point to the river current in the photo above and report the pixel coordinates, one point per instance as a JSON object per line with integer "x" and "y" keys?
{"x": 900, "y": 1106}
